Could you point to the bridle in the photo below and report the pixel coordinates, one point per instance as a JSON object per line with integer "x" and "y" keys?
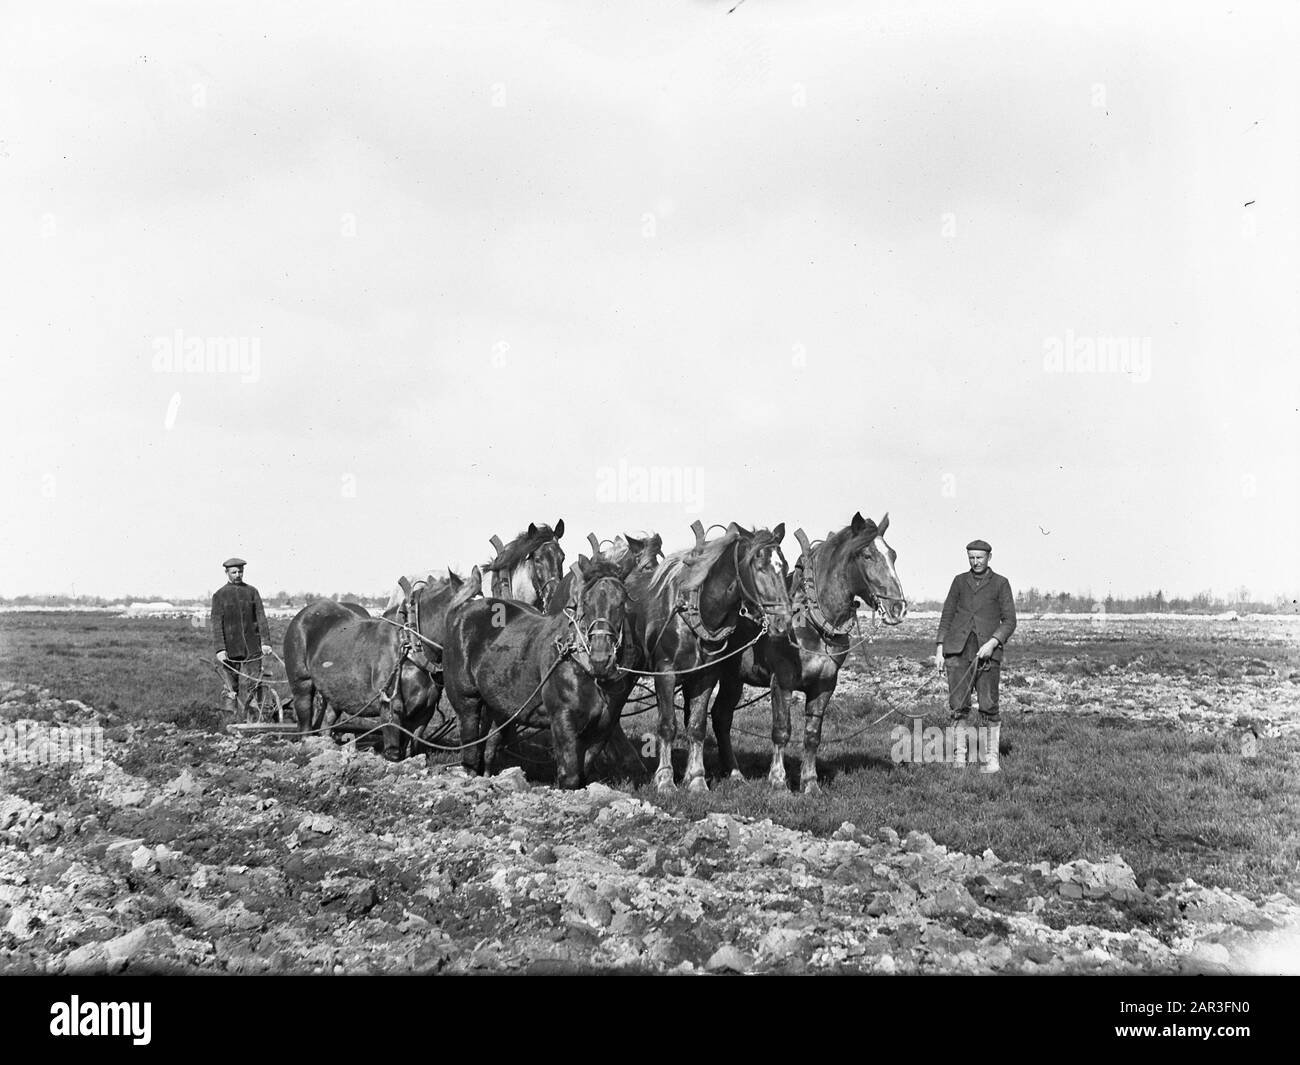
{"x": 875, "y": 599}
{"x": 583, "y": 634}
{"x": 413, "y": 641}
{"x": 812, "y": 607}
{"x": 751, "y": 597}
{"x": 752, "y": 604}
{"x": 503, "y": 579}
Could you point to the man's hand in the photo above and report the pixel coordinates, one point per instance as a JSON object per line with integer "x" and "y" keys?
{"x": 266, "y": 648}
{"x": 987, "y": 650}
{"x": 938, "y": 658}
{"x": 221, "y": 656}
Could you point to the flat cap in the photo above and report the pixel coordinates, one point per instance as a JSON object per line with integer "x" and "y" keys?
{"x": 978, "y": 545}
{"x": 233, "y": 562}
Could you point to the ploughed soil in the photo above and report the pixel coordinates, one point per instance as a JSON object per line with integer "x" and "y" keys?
{"x": 189, "y": 850}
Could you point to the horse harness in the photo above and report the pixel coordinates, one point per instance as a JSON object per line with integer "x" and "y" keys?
{"x": 502, "y": 579}
{"x": 688, "y": 604}
{"x": 411, "y": 644}
{"x": 812, "y": 610}
{"x": 579, "y": 645}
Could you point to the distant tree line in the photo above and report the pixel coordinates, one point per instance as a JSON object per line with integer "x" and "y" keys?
{"x": 279, "y": 599}
{"x": 1033, "y": 601}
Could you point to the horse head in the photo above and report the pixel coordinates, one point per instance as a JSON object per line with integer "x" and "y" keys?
{"x": 597, "y": 609}
{"x": 546, "y": 561}
{"x": 761, "y": 572}
{"x": 632, "y": 553}
{"x": 871, "y": 575}
{"x": 530, "y": 566}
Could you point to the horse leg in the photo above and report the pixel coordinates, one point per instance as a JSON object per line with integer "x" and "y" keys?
{"x": 497, "y": 744}
{"x": 776, "y": 777}
{"x": 566, "y": 747}
{"x": 730, "y": 688}
{"x": 425, "y": 716}
{"x": 814, "y": 708}
{"x": 697, "y": 717}
{"x": 664, "y": 688}
{"x": 390, "y": 717}
{"x": 304, "y": 697}
{"x": 469, "y": 715}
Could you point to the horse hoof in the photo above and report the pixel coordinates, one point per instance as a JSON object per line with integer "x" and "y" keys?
{"x": 811, "y": 787}
{"x": 664, "y": 780}
{"x": 697, "y": 784}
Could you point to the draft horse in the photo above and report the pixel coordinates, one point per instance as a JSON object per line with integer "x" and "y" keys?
{"x": 364, "y": 666}
{"x": 507, "y": 664}
{"x": 683, "y": 616}
{"x": 825, "y": 585}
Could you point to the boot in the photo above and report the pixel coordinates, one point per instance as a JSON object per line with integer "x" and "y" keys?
{"x": 991, "y": 763}
{"x": 959, "y": 736}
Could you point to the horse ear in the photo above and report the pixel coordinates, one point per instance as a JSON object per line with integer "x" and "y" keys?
{"x": 405, "y": 585}
{"x": 456, "y": 582}
{"x": 858, "y": 523}
{"x": 559, "y": 529}
{"x": 884, "y": 524}
{"x": 737, "y": 528}
{"x": 779, "y": 532}
{"x": 472, "y": 586}
{"x": 532, "y": 528}
{"x": 595, "y": 544}
{"x": 697, "y": 527}
{"x": 496, "y": 543}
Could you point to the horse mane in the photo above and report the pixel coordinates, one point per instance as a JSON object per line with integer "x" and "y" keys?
{"x": 602, "y": 567}
{"x": 520, "y": 548}
{"x": 620, "y": 548}
{"x": 846, "y": 540}
{"x": 690, "y": 568}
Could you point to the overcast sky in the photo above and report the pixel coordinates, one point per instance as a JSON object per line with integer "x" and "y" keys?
{"x": 493, "y": 263}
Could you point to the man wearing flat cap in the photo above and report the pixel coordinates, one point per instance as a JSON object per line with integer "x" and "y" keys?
{"x": 978, "y": 619}
{"x": 240, "y": 631}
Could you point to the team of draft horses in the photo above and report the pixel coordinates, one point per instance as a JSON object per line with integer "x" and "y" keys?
{"x": 539, "y": 646}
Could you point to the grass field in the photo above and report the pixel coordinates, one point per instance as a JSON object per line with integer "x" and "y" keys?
{"x": 1122, "y": 737}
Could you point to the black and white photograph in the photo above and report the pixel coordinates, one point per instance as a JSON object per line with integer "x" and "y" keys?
{"x": 695, "y": 487}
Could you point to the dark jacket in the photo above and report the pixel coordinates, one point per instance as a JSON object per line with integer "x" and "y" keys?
{"x": 986, "y": 608}
{"x": 239, "y": 621}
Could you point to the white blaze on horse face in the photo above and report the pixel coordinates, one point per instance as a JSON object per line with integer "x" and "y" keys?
{"x": 886, "y": 556}
{"x": 521, "y": 583}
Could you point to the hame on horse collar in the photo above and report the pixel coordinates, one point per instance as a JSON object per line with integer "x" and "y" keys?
{"x": 743, "y": 546}
{"x": 855, "y": 542}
